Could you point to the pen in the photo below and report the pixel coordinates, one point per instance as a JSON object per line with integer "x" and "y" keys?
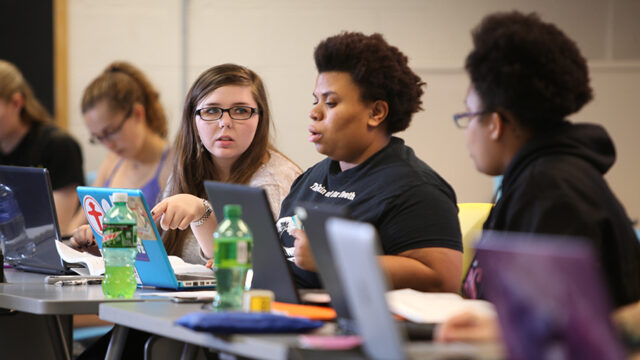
{"x": 78, "y": 282}
{"x": 71, "y": 282}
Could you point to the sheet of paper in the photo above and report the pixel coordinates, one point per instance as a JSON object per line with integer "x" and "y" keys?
{"x": 181, "y": 267}
{"x": 422, "y": 307}
{"x": 94, "y": 264}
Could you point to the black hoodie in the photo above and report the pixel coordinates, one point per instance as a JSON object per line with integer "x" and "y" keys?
{"x": 555, "y": 185}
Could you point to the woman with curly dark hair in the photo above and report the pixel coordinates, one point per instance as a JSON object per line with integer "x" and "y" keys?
{"x": 365, "y": 92}
{"x": 527, "y": 76}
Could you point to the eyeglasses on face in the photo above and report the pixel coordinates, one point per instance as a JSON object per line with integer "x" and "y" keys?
{"x": 214, "y": 113}
{"x": 108, "y": 134}
{"x": 462, "y": 120}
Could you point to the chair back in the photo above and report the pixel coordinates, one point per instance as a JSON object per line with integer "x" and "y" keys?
{"x": 472, "y": 216}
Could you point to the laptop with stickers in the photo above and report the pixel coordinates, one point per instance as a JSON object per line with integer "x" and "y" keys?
{"x": 153, "y": 267}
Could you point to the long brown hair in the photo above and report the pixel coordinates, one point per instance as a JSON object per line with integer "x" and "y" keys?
{"x": 12, "y": 82}
{"x": 193, "y": 164}
{"x": 122, "y": 85}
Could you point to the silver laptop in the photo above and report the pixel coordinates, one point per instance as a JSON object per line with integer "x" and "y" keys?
{"x": 355, "y": 248}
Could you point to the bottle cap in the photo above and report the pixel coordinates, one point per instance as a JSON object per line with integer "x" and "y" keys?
{"x": 120, "y": 197}
{"x": 232, "y": 211}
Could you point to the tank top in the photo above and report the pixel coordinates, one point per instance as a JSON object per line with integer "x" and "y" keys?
{"x": 151, "y": 189}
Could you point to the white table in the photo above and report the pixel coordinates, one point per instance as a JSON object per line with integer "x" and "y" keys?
{"x": 27, "y": 293}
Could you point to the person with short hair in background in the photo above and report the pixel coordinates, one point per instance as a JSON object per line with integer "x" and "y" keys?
{"x": 28, "y": 137}
{"x": 526, "y": 77}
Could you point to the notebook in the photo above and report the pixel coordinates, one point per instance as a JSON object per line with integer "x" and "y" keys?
{"x": 365, "y": 286}
{"x": 550, "y": 296}
{"x": 36, "y": 249}
{"x": 270, "y": 268}
{"x": 153, "y": 267}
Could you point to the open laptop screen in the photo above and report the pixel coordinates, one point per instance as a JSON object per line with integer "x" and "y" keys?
{"x": 550, "y": 296}
{"x": 270, "y": 268}
{"x": 31, "y": 188}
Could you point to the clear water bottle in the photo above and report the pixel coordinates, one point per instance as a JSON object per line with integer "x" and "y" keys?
{"x": 13, "y": 236}
{"x": 119, "y": 250}
{"x": 232, "y": 259}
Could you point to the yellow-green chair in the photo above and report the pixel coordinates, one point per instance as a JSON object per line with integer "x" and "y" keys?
{"x": 472, "y": 216}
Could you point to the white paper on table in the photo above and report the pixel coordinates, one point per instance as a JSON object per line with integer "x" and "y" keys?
{"x": 423, "y": 307}
{"x": 94, "y": 265}
{"x": 181, "y": 267}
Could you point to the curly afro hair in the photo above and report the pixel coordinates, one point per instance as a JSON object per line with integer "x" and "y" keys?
{"x": 380, "y": 71}
{"x": 528, "y": 67}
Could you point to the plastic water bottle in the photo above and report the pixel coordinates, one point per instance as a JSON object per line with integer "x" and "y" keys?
{"x": 13, "y": 236}
{"x": 119, "y": 240}
{"x": 232, "y": 259}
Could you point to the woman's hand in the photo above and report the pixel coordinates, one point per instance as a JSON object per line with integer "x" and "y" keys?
{"x": 82, "y": 239}
{"x": 302, "y": 252}
{"x": 469, "y": 326}
{"x": 178, "y": 211}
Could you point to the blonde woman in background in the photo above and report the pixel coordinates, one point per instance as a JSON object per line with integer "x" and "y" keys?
{"x": 123, "y": 112}
{"x": 28, "y": 137}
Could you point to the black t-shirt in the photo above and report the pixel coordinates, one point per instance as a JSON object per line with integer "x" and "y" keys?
{"x": 410, "y": 205}
{"x": 46, "y": 146}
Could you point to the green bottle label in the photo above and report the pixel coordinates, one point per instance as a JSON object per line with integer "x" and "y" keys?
{"x": 119, "y": 236}
{"x": 232, "y": 253}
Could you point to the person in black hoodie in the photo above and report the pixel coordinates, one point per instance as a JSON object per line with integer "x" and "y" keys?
{"x": 527, "y": 76}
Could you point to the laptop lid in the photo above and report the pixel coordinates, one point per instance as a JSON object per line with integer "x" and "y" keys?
{"x": 270, "y": 268}
{"x": 152, "y": 263}
{"x": 355, "y": 248}
{"x": 314, "y": 217}
{"x": 34, "y": 249}
{"x": 550, "y": 296}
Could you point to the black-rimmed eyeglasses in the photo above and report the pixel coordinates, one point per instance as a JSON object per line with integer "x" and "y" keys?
{"x": 108, "y": 134}
{"x": 462, "y": 120}
{"x": 214, "y": 113}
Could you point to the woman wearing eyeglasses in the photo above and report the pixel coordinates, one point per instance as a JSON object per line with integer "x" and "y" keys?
{"x": 122, "y": 112}
{"x": 553, "y": 169}
{"x": 223, "y": 136}
{"x": 28, "y": 137}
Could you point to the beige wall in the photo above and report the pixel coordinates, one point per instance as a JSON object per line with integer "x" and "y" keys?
{"x": 276, "y": 39}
